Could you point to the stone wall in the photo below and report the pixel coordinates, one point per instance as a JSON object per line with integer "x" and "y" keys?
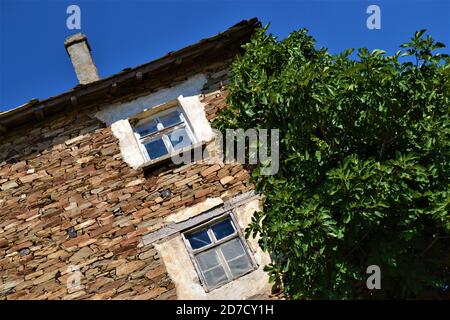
{"x": 67, "y": 201}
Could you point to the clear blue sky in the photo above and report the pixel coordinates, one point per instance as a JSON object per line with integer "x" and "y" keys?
{"x": 34, "y": 64}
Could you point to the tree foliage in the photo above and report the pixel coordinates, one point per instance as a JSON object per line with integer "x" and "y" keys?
{"x": 364, "y": 164}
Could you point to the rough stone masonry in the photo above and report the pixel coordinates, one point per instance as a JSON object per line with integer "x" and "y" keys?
{"x": 67, "y": 198}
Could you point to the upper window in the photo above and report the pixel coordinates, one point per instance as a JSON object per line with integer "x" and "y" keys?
{"x": 219, "y": 252}
{"x": 155, "y": 132}
{"x": 163, "y": 133}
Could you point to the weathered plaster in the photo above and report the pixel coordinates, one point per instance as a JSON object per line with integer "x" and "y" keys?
{"x": 117, "y": 116}
{"x": 175, "y": 228}
{"x": 195, "y": 113}
{"x": 80, "y": 55}
{"x": 194, "y": 210}
{"x": 181, "y": 269}
{"x": 129, "y": 146}
{"x": 118, "y": 111}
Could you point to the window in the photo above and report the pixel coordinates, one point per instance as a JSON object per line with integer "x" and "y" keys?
{"x": 164, "y": 133}
{"x": 219, "y": 252}
{"x": 156, "y": 129}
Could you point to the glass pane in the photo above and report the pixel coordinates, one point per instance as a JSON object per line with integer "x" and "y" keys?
{"x": 236, "y": 256}
{"x": 222, "y": 229}
{"x": 208, "y": 260}
{"x": 179, "y": 138}
{"x": 156, "y": 148}
{"x": 170, "y": 119}
{"x": 215, "y": 276}
{"x": 199, "y": 239}
{"x": 232, "y": 249}
{"x": 147, "y": 128}
{"x": 240, "y": 265}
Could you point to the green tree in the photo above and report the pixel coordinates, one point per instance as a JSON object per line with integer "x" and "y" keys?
{"x": 364, "y": 164}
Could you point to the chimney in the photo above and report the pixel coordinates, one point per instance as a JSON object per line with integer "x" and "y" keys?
{"x": 79, "y": 52}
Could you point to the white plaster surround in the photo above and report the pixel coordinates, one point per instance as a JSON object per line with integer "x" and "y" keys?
{"x": 129, "y": 146}
{"x": 196, "y": 117}
{"x": 192, "y": 211}
{"x": 119, "y": 111}
{"x": 181, "y": 269}
{"x": 188, "y": 95}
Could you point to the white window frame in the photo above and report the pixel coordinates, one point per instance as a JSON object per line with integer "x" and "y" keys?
{"x": 216, "y": 243}
{"x": 162, "y": 131}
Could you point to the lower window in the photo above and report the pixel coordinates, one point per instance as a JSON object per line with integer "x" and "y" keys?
{"x": 219, "y": 252}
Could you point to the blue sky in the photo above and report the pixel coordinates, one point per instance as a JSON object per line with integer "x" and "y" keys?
{"x": 34, "y": 64}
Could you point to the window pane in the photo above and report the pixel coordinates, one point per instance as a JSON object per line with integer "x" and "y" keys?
{"x": 215, "y": 276}
{"x": 179, "y": 138}
{"x": 199, "y": 239}
{"x": 232, "y": 249}
{"x": 156, "y": 148}
{"x": 240, "y": 265}
{"x": 236, "y": 256}
{"x": 222, "y": 229}
{"x": 208, "y": 260}
{"x": 147, "y": 128}
{"x": 170, "y": 119}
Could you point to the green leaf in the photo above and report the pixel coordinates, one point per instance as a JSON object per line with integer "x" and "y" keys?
{"x": 364, "y": 164}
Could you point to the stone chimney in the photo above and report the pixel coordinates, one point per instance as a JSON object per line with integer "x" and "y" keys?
{"x": 79, "y": 52}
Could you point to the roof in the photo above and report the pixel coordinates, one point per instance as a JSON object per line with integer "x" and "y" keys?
{"x": 83, "y": 94}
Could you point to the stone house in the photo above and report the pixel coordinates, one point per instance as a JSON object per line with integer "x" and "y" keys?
{"x": 92, "y": 205}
